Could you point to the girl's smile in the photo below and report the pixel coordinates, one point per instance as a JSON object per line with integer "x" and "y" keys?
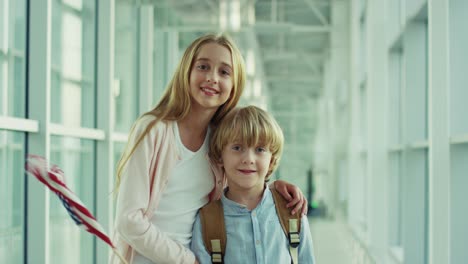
{"x": 210, "y": 91}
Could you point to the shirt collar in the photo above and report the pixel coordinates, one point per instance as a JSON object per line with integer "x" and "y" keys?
{"x": 232, "y": 207}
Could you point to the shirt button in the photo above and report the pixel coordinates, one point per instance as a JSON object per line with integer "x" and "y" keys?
{"x": 258, "y": 242}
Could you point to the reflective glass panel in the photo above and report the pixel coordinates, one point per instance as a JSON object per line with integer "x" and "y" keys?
{"x": 73, "y": 63}
{"x": 12, "y": 57}
{"x": 69, "y": 243}
{"x": 125, "y": 87}
{"x": 12, "y": 196}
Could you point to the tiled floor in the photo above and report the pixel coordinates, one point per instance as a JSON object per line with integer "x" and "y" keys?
{"x": 332, "y": 241}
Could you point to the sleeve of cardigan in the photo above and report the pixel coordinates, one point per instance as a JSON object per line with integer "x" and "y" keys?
{"x": 134, "y": 193}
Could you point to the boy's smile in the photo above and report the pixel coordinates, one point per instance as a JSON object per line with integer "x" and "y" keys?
{"x": 247, "y": 171}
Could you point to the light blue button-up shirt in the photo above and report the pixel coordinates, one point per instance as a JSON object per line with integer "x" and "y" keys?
{"x": 254, "y": 236}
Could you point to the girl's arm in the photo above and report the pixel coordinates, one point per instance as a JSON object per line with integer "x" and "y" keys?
{"x": 133, "y": 224}
{"x": 293, "y": 194}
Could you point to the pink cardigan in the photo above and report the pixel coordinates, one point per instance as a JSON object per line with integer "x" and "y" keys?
{"x": 144, "y": 179}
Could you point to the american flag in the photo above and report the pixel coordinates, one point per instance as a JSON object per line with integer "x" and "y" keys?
{"x": 52, "y": 176}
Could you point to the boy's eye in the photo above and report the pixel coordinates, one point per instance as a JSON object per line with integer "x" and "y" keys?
{"x": 236, "y": 147}
{"x": 261, "y": 149}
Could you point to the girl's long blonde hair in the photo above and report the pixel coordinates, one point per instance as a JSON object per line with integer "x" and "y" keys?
{"x": 175, "y": 103}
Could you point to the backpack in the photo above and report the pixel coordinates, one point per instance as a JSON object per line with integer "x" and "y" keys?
{"x": 214, "y": 229}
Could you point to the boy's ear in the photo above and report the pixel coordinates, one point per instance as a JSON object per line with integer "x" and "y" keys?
{"x": 272, "y": 162}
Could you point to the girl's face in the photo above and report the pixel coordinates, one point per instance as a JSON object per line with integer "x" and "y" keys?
{"x": 211, "y": 77}
{"x": 246, "y": 167}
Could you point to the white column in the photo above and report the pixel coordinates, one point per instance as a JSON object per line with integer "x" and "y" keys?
{"x": 173, "y": 52}
{"x": 336, "y": 76}
{"x": 38, "y": 88}
{"x": 160, "y": 77}
{"x": 354, "y": 202}
{"x": 145, "y": 74}
{"x": 439, "y": 157}
{"x": 4, "y": 43}
{"x": 105, "y": 122}
{"x": 377, "y": 165}
{"x": 414, "y": 209}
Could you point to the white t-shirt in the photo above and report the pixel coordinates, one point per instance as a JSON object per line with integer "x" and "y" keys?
{"x": 186, "y": 192}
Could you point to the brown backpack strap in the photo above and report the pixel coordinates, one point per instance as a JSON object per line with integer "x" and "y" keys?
{"x": 214, "y": 230}
{"x": 284, "y": 213}
{"x": 291, "y": 224}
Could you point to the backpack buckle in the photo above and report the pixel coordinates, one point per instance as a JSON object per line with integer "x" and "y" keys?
{"x": 294, "y": 239}
{"x": 216, "y": 257}
{"x": 216, "y": 252}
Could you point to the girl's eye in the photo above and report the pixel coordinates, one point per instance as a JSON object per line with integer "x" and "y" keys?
{"x": 225, "y": 72}
{"x": 202, "y": 66}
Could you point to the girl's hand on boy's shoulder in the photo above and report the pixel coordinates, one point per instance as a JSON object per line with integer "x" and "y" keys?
{"x": 294, "y": 195}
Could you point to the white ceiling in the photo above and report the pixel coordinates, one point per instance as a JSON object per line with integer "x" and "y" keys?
{"x": 290, "y": 39}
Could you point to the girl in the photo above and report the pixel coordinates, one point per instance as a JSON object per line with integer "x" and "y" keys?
{"x": 164, "y": 175}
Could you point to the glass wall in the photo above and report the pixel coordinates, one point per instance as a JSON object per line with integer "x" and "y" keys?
{"x": 458, "y": 130}
{"x": 126, "y": 66}
{"x": 12, "y": 57}
{"x": 69, "y": 244}
{"x": 395, "y": 153}
{"x": 73, "y": 63}
{"x": 73, "y": 106}
{"x": 12, "y": 194}
{"x": 12, "y": 144}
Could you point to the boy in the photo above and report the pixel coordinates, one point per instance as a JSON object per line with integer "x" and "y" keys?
{"x": 247, "y": 145}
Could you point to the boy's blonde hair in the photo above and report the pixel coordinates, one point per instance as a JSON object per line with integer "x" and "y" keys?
{"x": 250, "y": 126}
{"x": 175, "y": 103}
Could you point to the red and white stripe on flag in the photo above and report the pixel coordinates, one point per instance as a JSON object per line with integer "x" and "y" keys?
{"x": 52, "y": 176}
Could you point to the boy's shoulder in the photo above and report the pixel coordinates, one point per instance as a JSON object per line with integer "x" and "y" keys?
{"x": 289, "y": 223}
{"x": 213, "y": 228}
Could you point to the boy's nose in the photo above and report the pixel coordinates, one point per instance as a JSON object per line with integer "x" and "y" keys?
{"x": 248, "y": 158}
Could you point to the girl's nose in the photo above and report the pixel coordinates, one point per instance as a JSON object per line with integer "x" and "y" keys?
{"x": 211, "y": 77}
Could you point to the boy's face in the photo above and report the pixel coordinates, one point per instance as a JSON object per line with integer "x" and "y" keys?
{"x": 246, "y": 167}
